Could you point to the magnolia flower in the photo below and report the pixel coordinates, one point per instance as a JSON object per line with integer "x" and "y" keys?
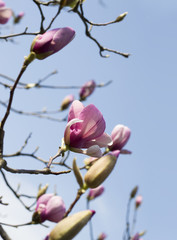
{"x": 95, "y": 192}
{"x": 51, "y": 42}
{"x": 5, "y": 14}
{"x": 87, "y": 89}
{"x": 120, "y": 136}
{"x": 85, "y": 129}
{"x": 66, "y": 102}
{"x": 49, "y": 207}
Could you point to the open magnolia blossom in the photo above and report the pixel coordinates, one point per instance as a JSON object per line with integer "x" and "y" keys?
{"x": 85, "y": 130}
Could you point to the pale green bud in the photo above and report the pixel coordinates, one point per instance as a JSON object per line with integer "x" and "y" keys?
{"x": 70, "y": 226}
{"x": 101, "y": 169}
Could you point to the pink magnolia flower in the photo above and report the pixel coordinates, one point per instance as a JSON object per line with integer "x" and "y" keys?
{"x": 51, "y": 42}
{"x": 85, "y": 129}
{"x": 67, "y": 101}
{"x": 95, "y": 192}
{"x": 87, "y": 89}
{"x": 120, "y": 135}
{"x": 138, "y": 201}
{"x": 5, "y": 14}
{"x": 136, "y": 237}
{"x": 50, "y": 207}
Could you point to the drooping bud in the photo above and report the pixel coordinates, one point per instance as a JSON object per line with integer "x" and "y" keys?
{"x": 51, "y": 42}
{"x": 95, "y": 192}
{"x": 101, "y": 169}
{"x": 5, "y": 14}
{"x": 70, "y": 226}
{"x": 66, "y": 102}
{"x": 49, "y": 207}
{"x": 138, "y": 201}
{"x": 87, "y": 89}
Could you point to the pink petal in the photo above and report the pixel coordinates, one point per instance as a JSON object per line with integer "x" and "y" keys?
{"x": 103, "y": 141}
{"x": 44, "y": 199}
{"x": 93, "y": 123}
{"x": 55, "y": 209}
{"x": 93, "y": 151}
{"x": 67, "y": 134}
{"x": 75, "y": 109}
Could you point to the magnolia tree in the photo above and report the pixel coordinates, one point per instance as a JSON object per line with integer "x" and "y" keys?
{"x": 84, "y": 132}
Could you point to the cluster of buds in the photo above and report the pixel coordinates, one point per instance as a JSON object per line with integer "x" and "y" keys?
{"x": 5, "y": 13}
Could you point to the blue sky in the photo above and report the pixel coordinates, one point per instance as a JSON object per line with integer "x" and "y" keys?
{"x": 141, "y": 96}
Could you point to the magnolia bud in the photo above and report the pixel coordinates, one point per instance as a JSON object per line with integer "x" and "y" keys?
{"x": 101, "y": 169}
{"x": 18, "y": 17}
{"x": 66, "y": 102}
{"x": 69, "y": 227}
{"x": 51, "y": 42}
{"x": 102, "y": 236}
{"x": 134, "y": 192}
{"x": 121, "y": 17}
{"x": 95, "y": 192}
{"x": 138, "y": 201}
{"x": 87, "y": 89}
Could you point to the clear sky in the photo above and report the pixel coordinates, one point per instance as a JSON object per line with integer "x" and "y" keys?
{"x": 141, "y": 96}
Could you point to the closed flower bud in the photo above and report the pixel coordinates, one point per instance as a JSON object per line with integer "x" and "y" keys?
{"x": 42, "y": 190}
{"x": 5, "y": 14}
{"x": 70, "y": 226}
{"x": 66, "y": 102}
{"x": 18, "y": 17}
{"x": 87, "y": 89}
{"x": 138, "y": 201}
{"x": 101, "y": 169}
{"x": 2, "y": 4}
{"x": 95, "y": 192}
{"x": 120, "y": 136}
{"x": 134, "y": 192}
{"x": 102, "y": 236}
{"x": 51, "y": 42}
{"x": 49, "y": 207}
